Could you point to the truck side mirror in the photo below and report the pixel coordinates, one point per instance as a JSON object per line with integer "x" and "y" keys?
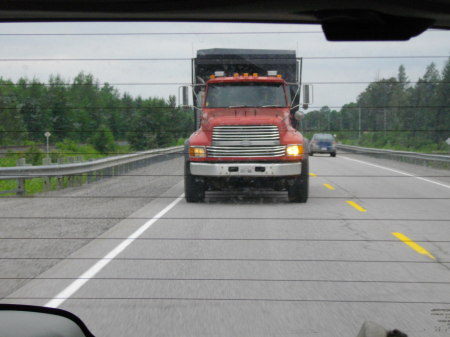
{"x": 200, "y": 98}
{"x": 299, "y": 115}
{"x": 307, "y": 95}
{"x": 184, "y": 101}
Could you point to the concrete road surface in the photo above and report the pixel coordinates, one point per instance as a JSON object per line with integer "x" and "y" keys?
{"x": 372, "y": 243}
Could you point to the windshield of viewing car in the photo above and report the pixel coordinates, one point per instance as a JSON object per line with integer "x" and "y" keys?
{"x": 245, "y": 95}
{"x": 102, "y": 135}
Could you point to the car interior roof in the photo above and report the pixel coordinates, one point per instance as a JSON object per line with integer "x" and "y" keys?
{"x": 340, "y": 19}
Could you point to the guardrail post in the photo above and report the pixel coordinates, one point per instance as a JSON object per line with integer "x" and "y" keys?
{"x": 78, "y": 179}
{"x": 60, "y": 179}
{"x": 20, "y": 181}
{"x": 60, "y": 184}
{"x": 46, "y": 181}
{"x": 90, "y": 177}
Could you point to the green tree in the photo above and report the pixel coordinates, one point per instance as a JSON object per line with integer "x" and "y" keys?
{"x": 442, "y": 115}
{"x": 12, "y": 126}
{"x": 61, "y": 112}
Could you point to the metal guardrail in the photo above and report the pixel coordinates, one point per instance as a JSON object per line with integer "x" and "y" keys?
{"x": 424, "y": 159}
{"x": 93, "y": 170}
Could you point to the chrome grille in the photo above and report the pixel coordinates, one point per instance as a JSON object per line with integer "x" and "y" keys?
{"x": 246, "y": 151}
{"x": 245, "y": 135}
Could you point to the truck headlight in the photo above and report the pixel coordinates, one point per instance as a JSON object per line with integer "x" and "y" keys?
{"x": 197, "y": 151}
{"x": 294, "y": 150}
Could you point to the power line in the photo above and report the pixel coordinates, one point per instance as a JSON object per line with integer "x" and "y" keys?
{"x": 179, "y": 33}
{"x": 156, "y": 131}
{"x": 223, "y": 280}
{"x": 189, "y": 59}
{"x": 162, "y": 33}
{"x": 203, "y": 299}
{"x": 31, "y": 84}
{"x": 225, "y": 239}
{"x": 182, "y": 175}
{"x": 184, "y": 219}
{"x": 222, "y": 259}
{"x": 263, "y": 194}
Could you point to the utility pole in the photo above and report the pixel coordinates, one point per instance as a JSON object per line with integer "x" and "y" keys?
{"x": 384, "y": 110}
{"x": 329, "y": 118}
{"x": 359, "y": 125}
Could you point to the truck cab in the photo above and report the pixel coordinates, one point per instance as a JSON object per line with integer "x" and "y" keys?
{"x": 246, "y": 136}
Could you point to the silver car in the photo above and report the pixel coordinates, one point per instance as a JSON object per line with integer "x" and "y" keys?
{"x": 322, "y": 143}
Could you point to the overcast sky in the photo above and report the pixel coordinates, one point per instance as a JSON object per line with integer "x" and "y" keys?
{"x": 308, "y": 41}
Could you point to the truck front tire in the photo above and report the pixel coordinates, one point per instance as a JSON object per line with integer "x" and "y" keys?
{"x": 298, "y": 191}
{"x": 194, "y": 187}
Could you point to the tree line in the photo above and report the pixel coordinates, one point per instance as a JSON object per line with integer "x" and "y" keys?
{"x": 393, "y": 112}
{"x": 85, "y": 111}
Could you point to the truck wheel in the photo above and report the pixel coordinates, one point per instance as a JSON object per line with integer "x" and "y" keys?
{"x": 311, "y": 154}
{"x": 194, "y": 188}
{"x": 298, "y": 191}
{"x": 333, "y": 154}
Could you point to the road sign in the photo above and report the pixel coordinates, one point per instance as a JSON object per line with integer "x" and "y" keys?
{"x": 47, "y": 134}
{"x": 448, "y": 141}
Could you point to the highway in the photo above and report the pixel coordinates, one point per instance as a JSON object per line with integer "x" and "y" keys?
{"x": 131, "y": 258}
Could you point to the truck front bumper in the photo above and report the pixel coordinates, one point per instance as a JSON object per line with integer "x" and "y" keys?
{"x": 246, "y": 169}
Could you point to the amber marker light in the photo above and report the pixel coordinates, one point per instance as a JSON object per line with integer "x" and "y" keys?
{"x": 197, "y": 152}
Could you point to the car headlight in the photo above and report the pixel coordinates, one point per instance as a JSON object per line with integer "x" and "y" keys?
{"x": 197, "y": 151}
{"x": 294, "y": 150}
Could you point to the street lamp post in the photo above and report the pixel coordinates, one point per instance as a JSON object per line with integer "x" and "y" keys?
{"x": 47, "y": 136}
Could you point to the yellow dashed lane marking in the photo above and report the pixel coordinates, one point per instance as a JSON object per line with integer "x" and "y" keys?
{"x": 356, "y": 206}
{"x": 312, "y": 174}
{"x": 413, "y": 245}
{"x": 328, "y": 186}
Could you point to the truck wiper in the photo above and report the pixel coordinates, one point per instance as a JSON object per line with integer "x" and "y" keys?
{"x": 272, "y": 106}
{"x": 238, "y": 106}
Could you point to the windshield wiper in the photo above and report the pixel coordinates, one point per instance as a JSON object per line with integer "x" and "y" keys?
{"x": 272, "y": 106}
{"x": 238, "y": 106}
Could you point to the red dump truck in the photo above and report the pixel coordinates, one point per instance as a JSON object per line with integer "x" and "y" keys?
{"x": 247, "y": 108}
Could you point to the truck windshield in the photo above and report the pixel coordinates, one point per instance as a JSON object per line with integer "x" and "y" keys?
{"x": 224, "y": 95}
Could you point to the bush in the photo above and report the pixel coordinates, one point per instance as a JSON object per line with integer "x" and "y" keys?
{"x": 103, "y": 140}
{"x": 68, "y": 146}
{"x": 55, "y": 155}
{"x": 34, "y": 155}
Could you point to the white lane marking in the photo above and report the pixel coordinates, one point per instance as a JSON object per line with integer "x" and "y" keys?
{"x": 99, "y": 265}
{"x": 397, "y": 171}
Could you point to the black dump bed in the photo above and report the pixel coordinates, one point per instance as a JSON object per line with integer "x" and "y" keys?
{"x": 244, "y": 61}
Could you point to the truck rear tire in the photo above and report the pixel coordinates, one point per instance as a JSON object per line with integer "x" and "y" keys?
{"x": 194, "y": 187}
{"x": 298, "y": 191}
